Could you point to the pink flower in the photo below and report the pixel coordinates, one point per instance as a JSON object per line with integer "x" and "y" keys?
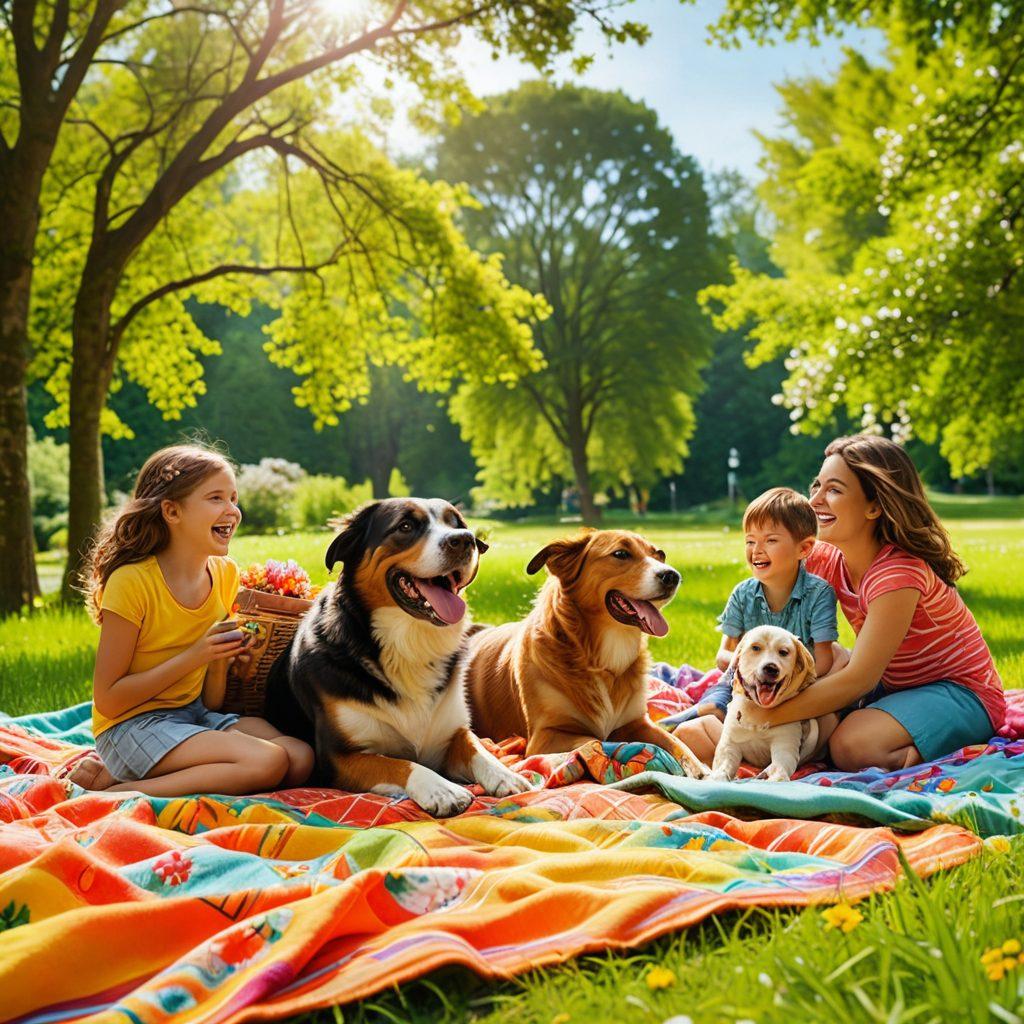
{"x": 173, "y": 868}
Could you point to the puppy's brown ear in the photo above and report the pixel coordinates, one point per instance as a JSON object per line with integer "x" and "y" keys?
{"x": 563, "y": 558}
{"x": 805, "y": 672}
{"x": 350, "y": 542}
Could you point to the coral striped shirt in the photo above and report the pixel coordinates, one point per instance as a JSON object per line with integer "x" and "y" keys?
{"x": 943, "y": 642}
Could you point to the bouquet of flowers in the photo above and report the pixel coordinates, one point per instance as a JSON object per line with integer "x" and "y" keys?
{"x": 288, "y": 579}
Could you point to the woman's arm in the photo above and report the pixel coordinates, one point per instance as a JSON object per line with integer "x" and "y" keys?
{"x": 115, "y": 692}
{"x": 723, "y": 659}
{"x": 885, "y": 628}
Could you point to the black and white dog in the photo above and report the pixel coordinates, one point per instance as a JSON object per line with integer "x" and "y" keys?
{"x": 374, "y": 677}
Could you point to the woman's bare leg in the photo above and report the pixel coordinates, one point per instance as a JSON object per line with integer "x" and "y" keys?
{"x": 871, "y": 738}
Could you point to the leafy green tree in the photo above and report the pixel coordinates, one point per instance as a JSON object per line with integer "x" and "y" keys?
{"x": 902, "y": 306}
{"x": 588, "y": 201}
{"x": 150, "y": 206}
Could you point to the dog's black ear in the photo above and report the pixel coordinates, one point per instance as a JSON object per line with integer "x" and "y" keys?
{"x": 352, "y": 538}
{"x": 564, "y": 558}
{"x": 481, "y": 546}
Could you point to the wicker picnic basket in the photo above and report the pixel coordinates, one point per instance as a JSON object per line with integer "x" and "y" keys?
{"x": 276, "y": 618}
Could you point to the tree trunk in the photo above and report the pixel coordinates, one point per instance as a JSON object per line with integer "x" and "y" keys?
{"x": 91, "y": 369}
{"x": 578, "y": 452}
{"x": 19, "y": 205}
{"x": 380, "y": 477}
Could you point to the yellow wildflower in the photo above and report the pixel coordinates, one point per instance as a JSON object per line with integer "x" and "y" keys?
{"x": 990, "y": 956}
{"x": 561, "y": 1018}
{"x": 995, "y": 972}
{"x": 842, "y": 916}
{"x": 1011, "y": 946}
{"x": 998, "y": 844}
{"x": 660, "y": 977}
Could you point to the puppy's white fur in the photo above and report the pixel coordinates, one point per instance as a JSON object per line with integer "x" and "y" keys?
{"x": 782, "y": 747}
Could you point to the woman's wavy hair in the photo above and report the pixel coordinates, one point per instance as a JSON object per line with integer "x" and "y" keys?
{"x": 888, "y": 475}
{"x": 138, "y": 528}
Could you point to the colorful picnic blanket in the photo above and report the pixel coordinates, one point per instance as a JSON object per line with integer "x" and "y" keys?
{"x": 217, "y": 908}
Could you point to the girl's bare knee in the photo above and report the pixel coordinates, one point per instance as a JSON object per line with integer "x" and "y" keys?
{"x": 269, "y": 766}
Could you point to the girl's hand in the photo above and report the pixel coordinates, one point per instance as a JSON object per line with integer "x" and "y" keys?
{"x": 217, "y": 644}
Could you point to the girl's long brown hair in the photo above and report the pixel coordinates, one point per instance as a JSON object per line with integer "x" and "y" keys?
{"x": 888, "y": 475}
{"x": 138, "y": 529}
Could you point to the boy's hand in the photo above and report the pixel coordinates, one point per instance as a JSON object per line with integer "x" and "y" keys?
{"x": 711, "y": 709}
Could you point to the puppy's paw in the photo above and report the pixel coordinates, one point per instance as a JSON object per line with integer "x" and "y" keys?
{"x": 498, "y": 780}
{"x": 435, "y": 794}
{"x": 776, "y": 774}
{"x": 718, "y": 775}
{"x": 695, "y": 768}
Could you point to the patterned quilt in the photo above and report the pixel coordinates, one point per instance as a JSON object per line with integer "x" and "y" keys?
{"x": 216, "y": 908}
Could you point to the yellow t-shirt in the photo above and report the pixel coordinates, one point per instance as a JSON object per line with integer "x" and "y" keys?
{"x": 139, "y": 593}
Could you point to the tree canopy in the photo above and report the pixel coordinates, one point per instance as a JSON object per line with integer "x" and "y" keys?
{"x": 589, "y": 202}
{"x": 899, "y": 233}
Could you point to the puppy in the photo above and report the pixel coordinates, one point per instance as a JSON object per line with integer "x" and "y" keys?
{"x": 375, "y": 673}
{"x": 576, "y": 669}
{"x": 769, "y": 667}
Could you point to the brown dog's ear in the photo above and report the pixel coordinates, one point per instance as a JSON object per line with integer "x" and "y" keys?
{"x": 349, "y": 543}
{"x": 481, "y": 546}
{"x": 805, "y": 671}
{"x": 564, "y": 558}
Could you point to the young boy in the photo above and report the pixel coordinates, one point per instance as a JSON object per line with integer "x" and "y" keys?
{"x": 780, "y": 528}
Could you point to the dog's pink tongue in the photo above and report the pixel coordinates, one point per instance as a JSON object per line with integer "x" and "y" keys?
{"x": 765, "y": 695}
{"x": 449, "y": 607}
{"x": 651, "y": 620}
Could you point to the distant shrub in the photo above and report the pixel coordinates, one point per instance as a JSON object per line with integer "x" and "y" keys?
{"x": 321, "y": 498}
{"x": 266, "y": 493}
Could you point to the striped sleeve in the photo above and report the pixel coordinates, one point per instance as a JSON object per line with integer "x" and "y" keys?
{"x": 897, "y": 574}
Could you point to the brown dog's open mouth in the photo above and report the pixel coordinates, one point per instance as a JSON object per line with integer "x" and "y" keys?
{"x": 435, "y": 600}
{"x": 635, "y": 612}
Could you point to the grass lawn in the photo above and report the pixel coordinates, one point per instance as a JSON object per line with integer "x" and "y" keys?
{"x": 915, "y": 956}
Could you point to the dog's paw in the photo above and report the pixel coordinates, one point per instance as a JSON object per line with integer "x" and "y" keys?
{"x": 718, "y": 775}
{"x": 497, "y": 780}
{"x": 435, "y": 794}
{"x": 776, "y": 774}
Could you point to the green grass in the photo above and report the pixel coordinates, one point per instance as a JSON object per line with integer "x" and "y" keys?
{"x": 916, "y": 955}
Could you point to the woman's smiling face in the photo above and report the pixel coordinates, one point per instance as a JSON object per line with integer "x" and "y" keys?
{"x": 843, "y": 510}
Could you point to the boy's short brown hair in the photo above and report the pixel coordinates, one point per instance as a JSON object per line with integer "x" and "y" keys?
{"x": 784, "y": 506}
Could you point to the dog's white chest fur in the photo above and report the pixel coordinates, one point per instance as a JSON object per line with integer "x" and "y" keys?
{"x": 780, "y": 748}
{"x": 429, "y": 710}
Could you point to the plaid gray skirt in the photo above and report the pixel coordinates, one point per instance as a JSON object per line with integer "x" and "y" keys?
{"x": 132, "y": 748}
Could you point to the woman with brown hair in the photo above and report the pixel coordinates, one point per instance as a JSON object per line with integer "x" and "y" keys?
{"x": 920, "y": 681}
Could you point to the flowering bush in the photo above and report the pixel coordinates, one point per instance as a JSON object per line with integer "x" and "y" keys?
{"x": 266, "y": 493}
{"x": 288, "y": 579}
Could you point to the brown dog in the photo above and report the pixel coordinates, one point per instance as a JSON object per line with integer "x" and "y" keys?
{"x": 576, "y": 668}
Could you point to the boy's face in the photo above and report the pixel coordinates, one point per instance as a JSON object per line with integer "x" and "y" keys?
{"x": 773, "y": 553}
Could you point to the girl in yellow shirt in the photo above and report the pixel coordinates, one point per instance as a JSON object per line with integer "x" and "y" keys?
{"x": 161, "y": 587}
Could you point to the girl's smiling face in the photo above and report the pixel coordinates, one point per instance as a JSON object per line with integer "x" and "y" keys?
{"x": 207, "y": 518}
{"x": 843, "y": 510}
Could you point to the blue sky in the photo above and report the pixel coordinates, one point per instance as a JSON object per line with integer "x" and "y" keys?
{"x": 711, "y": 99}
